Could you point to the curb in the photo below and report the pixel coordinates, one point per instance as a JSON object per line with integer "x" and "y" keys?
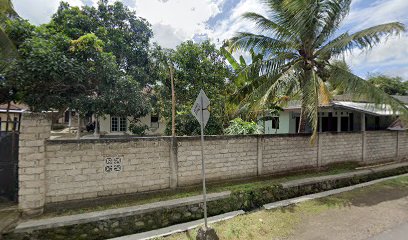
{"x": 179, "y": 227}
{"x": 287, "y": 202}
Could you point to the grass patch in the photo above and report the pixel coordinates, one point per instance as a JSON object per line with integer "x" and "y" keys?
{"x": 281, "y": 223}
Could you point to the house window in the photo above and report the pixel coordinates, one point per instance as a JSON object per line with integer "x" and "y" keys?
{"x": 154, "y": 121}
{"x": 118, "y": 124}
{"x": 275, "y": 122}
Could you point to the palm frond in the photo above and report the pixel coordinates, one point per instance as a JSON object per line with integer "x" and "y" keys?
{"x": 260, "y": 43}
{"x": 311, "y": 100}
{"x": 7, "y": 48}
{"x": 359, "y": 88}
{"x": 335, "y": 11}
{"x": 366, "y": 38}
{"x": 258, "y": 93}
{"x": 7, "y": 10}
{"x": 269, "y": 27}
{"x": 231, "y": 60}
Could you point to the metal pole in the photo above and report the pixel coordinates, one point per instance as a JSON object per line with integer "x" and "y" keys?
{"x": 203, "y": 164}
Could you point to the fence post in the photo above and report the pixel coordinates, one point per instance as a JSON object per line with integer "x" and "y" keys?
{"x": 173, "y": 163}
{"x": 363, "y": 139}
{"x": 319, "y": 150}
{"x": 397, "y": 150}
{"x": 259, "y": 154}
{"x": 35, "y": 129}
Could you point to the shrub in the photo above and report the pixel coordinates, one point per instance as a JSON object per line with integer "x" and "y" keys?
{"x": 241, "y": 127}
{"x": 187, "y": 125}
{"x": 138, "y": 128}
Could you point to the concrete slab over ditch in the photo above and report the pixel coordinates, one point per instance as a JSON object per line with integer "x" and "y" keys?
{"x": 179, "y": 227}
{"x": 113, "y": 213}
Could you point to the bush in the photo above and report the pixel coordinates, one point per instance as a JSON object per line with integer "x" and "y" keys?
{"x": 187, "y": 125}
{"x": 58, "y": 127}
{"x": 138, "y": 128}
{"x": 241, "y": 127}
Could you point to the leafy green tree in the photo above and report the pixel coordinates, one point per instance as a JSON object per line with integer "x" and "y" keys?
{"x": 390, "y": 85}
{"x": 125, "y": 35}
{"x": 196, "y": 66}
{"x": 299, "y": 39}
{"x": 56, "y": 72}
{"x": 109, "y": 90}
{"x": 45, "y": 76}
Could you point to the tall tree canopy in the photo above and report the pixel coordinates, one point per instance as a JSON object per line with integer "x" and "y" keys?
{"x": 58, "y": 69}
{"x": 390, "y": 85}
{"x": 125, "y": 35}
{"x": 196, "y": 66}
{"x": 299, "y": 39}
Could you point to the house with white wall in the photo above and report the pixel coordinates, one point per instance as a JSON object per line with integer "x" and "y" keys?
{"x": 337, "y": 116}
{"x": 114, "y": 125}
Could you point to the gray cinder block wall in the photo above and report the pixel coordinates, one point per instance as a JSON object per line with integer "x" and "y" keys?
{"x": 53, "y": 171}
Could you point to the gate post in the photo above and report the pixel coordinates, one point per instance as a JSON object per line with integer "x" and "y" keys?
{"x": 35, "y": 128}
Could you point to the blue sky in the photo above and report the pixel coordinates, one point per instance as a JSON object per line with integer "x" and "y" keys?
{"x": 174, "y": 21}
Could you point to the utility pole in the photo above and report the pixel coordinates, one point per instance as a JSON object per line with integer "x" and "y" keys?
{"x": 173, "y": 102}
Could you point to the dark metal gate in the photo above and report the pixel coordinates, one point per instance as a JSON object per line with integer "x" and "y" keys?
{"x": 9, "y": 165}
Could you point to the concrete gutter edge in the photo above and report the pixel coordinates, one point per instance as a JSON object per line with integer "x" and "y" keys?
{"x": 302, "y": 182}
{"x": 288, "y": 202}
{"x": 39, "y": 224}
{"x": 179, "y": 227}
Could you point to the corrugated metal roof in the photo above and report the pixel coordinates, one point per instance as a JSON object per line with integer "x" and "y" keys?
{"x": 370, "y": 108}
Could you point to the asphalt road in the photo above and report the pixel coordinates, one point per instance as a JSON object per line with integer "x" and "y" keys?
{"x": 397, "y": 233}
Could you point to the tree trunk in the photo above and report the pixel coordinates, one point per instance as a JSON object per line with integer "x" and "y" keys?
{"x": 8, "y": 115}
{"x": 303, "y": 115}
{"x": 78, "y": 135}
{"x": 96, "y": 131}
{"x": 173, "y": 104}
{"x": 302, "y": 120}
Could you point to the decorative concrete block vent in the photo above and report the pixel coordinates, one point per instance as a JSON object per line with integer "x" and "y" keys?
{"x": 113, "y": 164}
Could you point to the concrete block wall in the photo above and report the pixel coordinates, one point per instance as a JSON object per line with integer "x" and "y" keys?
{"x": 76, "y": 170}
{"x": 225, "y": 158}
{"x": 381, "y": 146}
{"x": 283, "y": 153}
{"x": 53, "y": 171}
{"x": 340, "y": 147}
{"x": 403, "y": 145}
{"x": 35, "y": 128}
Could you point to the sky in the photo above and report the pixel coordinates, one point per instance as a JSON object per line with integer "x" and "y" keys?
{"x": 174, "y": 21}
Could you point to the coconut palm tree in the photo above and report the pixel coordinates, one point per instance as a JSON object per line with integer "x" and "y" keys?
{"x": 299, "y": 42}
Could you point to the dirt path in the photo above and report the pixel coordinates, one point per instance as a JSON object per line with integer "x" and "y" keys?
{"x": 366, "y": 215}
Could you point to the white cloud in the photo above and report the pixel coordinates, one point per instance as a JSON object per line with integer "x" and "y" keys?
{"x": 180, "y": 19}
{"x": 234, "y": 23}
{"x": 389, "y": 57}
{"x": 377, "y": 12}
{"x": 40, "y": 11}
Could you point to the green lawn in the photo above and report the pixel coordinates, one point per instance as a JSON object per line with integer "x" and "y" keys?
{"x": 280, "y": 223}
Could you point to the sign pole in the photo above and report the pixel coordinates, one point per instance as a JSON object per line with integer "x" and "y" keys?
{"x": 203, "y": 164}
